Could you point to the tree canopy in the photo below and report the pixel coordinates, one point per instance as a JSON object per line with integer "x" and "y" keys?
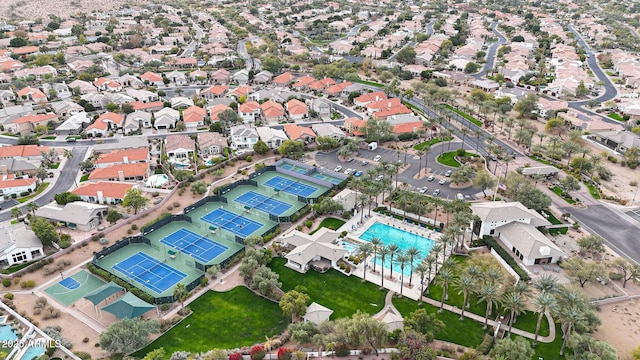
{"x": 128, "y": 335}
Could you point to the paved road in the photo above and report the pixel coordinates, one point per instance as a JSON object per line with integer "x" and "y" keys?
{"x": 65, "y": 181}
{"x": 330, "y": 161}
{"x": 491, "y": 52}
{"x": 191, "y": 48}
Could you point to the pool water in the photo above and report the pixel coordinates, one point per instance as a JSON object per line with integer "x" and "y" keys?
{"x": 324, "y": 177}
{"x": 33, "y": 352}
{"x": 404, "y": 239}
{"x": 7, "y": 334}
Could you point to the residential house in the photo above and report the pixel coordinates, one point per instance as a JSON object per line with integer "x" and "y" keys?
{"x": 166, "y": 118}
{"x": 355, "y": 126}
{"x": 243, "y": 137}
{"x": 296, "y": 109}
{"x": 60, "y": 90}
{"x": 82, "y": 87}
{"x": 142, "y": 95}
{"x": 10, "y": 184}
{"x": 239, "y": 92}
{"x": 136, "y": 120}
{"x": 104, "y": 192}
{"x": 263, "y": 77}
{"x": 23, "y": 152}
{"x": 617, "y": 140}
{"x": 199, "y": 77}
{"x": 241, "y": 77}
{"x": 216, "y": 110}
{"x": 123, "y": 172}
{"x": 105, "y": 84}
{"x": 367, "y": 98}
{"x": 249, "y": 112}
{"x": 32, "y": 94}
{"x": 221, "y": 76}
{"x": 177, "y": 77}
{"x": 148, "y": 107}
{"x": 329, "y": 130}
{"x": 181, "y": 102}
{"x": 320, "y": 85}
{"x": 18, "y": 167}
{"x": 128, "y": 80}
{"x": 65, "y": 108}
{"x": 333, "y": 91}
{"x": 321, "y": 106}
{"x": 19, "y": 245}
{"x": 272, "y": 111}
{"x": 283, "y": 80}
{"x": 152, "y": 79}
{"x": 272, "y": 137}
{"x": 108, "y": 121}
{"x": 76, "y": 215}
{"x": 28, "y": 123}
{"x": 98, "y": 101}
{"x": 516, "y": 228}
{"x": 193, "y": 117}
{"x": 180, "y": 148}
{"x": 211, "y": 143}
{"x": 303, "y": 83}
{"x": 123, "y": 156}
{"x": 7, "y": 97}
{"x": 300, "y": 133}
{"x": 75, "y": 124}
{"x": 213, "y": 92}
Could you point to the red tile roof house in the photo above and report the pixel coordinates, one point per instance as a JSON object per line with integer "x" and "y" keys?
{"x": 411, "y": 127}
{"x": 300, "y": 133}
{"x": 211, "y": 143}
{"x": 236, "y": 93}
{"x": 249, "y": 112}
{"x": 147, "y": 106}
{"x": 104, "y": 84}
{"x": 216, "y": 110}
{"x": 214, "y": 92}
{"x": 221, "y": 76}
{"x": 28, "y": 123}
{"x": 152, "y": 78}
{"x": 108, "y": 121}
{"x": 121, "y": 172}
{"x": 336, "y": 90}
{"x": 23, "y": 152}
{"x": 364, "y": 99}
{"x": 125, "y": 156}
{"x": 283, "y": 80}
{"x": 296, "y": 109}
{"x": 354, "y": 126}
{"x": 320, "y": 85}
{"x": 394, "y": 110}
{"x": 32, "y": 94}
{"x": 303, "y": 83}
{"x": 104, "y": 192}
{"x": 193, "y": 117}
{"x": 382, "y": 104}
{"x": 272, "y": 111}
{"x": 10, "y": 185}
{"x": 179, "y": 147}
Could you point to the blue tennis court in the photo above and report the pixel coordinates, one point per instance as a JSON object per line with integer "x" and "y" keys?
{"x": 149, "y": 272}
{"x": 69, "y": 283}
{"x": 231, "y": 222}
{"x": 290, "y": 186}
{"x": 264, "y": 203}
{"x": 194, "y": 245}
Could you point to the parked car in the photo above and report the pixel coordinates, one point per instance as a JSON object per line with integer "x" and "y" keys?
{"x": 431, "y": 178}
{"x": 377, "y": 158}
{"x": 348, "y": 171}
{"x": 442, "y": 181}
{"x": 364, "y": 163}
{"x": 379, "y": 177}
{"x": 358, "y": 173}
{"x": 349, "y": 159}
{"x": 424, "y": 190}
{"x": 436, "y": 192}
{"x": 338, "y": 168}
{"x": 459, "y": 196}
{"x": 448, "y": 173}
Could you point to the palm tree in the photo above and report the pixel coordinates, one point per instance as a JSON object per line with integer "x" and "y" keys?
{"x": 437, "y": 247}
{"x": 444, "y": 278}
{"x": 362, "y": 200}
{"x": 429, "y": 261}
{"x": 16, "y": 213}
{"x": 365, "y": 250}
{"x": 356, "y": 183}
{"x": 32, "y": 206}
{"x": 521, "y": 288}
{"x": 437, "y": 202}
{"x": 494, "y": 275}
{"x": 412, "y": 253}
{"x": 489, "y": 294}
{"x": 393, "y": 248}
{"x": 376, "y": 243}
{"x": 404, "y": 197}
{"x": 568, "y": 318}
{"x": 402, "y": 260}
{"x": 465, "y": 284}
{"x": 426, "y": 149}
{"x": 420, "y": 154}
{"x": 514, "y": 303}
{"x": 422, "y": 269}
{"x": 384, "y": 251}
{"x": 478, "y": 133}
{"x": 543, "y": 303}
{"x": 546, "y": 284}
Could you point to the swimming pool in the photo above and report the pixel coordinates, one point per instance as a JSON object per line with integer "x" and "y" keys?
{"x": 33, "y": 352}
{"x": 391, "y": 235}
{"x": 6, "y": 333}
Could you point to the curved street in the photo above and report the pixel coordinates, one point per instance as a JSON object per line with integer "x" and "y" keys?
{"x": 491, "y": 52}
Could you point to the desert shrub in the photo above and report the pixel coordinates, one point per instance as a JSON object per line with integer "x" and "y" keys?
{"x": 8, "y": 296}
{"x": 6, "y": 282}
{"x": 134, "y": 227}
{"x": 615, "y": 276}
{"x": 176, "y": 204}
{"x": 341, "y": 349}
{"x": 82, "y": 355}
{"x": 103, "y": 241}
{"x": 28, "y": 284}
{"x": 50, "y": 313}
{"x": 308, "y": 224}
{"x": 64, "y": 243}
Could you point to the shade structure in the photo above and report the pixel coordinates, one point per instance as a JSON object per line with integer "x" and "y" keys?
{"x": 103, "y": 292}
{"x": 317, "y": 313}
{"x": 128, "y": 306}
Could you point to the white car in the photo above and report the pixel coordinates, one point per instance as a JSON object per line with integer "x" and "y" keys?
{"x": 377, "y": 158}
{"x": 348, "y": 171}
{"x": 338, "y": 168}
{"x": 424, "y": 190}
{"x": 459, "y": 196}
{"x": 442, "y": 181}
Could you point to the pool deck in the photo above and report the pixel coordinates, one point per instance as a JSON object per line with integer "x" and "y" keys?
{"x": 354, "y": 229}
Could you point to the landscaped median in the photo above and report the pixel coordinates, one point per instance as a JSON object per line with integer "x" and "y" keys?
{"x": 464, "y": 115}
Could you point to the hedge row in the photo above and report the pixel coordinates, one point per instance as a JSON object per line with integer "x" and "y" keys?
{"x": 504, "y": 254}
{"x": 110, "y": 277}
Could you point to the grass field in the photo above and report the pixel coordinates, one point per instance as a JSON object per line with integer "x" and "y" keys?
{"x": 431, "y": 142}
{"x": 552, "y": 219}
{"x": 593, "y": 191}
{"x": 38, "y": 191}
{"x": 449, "y": 159}
{"x": 331, "y": 223}
{"x": 464, "y": 115}
{"x": 340, "y": 293}
{"x": 558, "y": 191}
{"x": 556, "y": 231}
{"x": 615, "y": 116}
{"x": 226, "y": 320}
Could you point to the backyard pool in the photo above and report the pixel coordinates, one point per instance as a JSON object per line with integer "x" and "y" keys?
{"x": 33, "y": 352}
{"x": 6, "y": 333}
{"x": 405, "y": 240}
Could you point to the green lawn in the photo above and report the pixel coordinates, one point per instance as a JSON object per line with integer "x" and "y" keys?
{"x": 556, "y": 231}
{"x": 552, "y": 219}
{"x": 84, "y": 177}
{"x": 464, "y": 332}
{"x": 616, "y": 116}
{"x": 370, "y": 83}
{"x": 49, "y": 137}
{"x": 464, "y": 115}
{"x": 331, "y": 223}
{"x": 560, "y": 193}
{"x": 226, "y": 320}
{"x": 431, "y": 142}
{"x": 542, "y": 161}
{"x": 448, "y": 158}
{"x": 54, "y": 166}
{"x": 77, "y": 137}
{"x": 39, "y": 190}
{"x": 593, "y": 191}
{"x": 340, "y": 293}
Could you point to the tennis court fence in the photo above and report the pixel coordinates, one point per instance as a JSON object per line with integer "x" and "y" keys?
{"x": 119, "y": 245}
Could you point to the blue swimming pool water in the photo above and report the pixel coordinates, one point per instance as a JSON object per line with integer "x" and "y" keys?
{"x": 33, "y": 352}
{"x": 404, "y": 239}
{"x": 7, "y": 334}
